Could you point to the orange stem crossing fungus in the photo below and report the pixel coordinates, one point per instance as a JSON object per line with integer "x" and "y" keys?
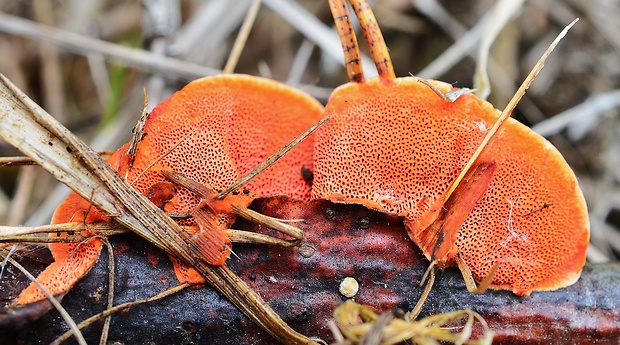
{"x": 213, "y": 131}
{"x": 394, "y": 145}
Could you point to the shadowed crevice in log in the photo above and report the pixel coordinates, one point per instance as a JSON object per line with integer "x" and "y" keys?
{"x": 301, "y": 284}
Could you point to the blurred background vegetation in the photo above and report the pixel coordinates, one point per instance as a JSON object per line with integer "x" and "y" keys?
{"x": 96, "y": 89}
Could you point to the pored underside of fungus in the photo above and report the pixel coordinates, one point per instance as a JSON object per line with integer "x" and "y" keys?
{"x": 395, "y": 145}
{"x": 216, "y": 129}
{"x": 213, "y": 131}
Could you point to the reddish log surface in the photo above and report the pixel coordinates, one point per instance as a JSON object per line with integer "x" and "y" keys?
{"x": 301, "y": 284}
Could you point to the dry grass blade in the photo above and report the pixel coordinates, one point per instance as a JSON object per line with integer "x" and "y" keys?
{"x": 270, "y": 222}
{"x": 241, "y": 236}
{"x": 38, "y": 239}
{"x": 20, "y": 126}
{"x": 465, "y": 40}
{"x": 30, "y": 234}
{"x": 28, "y": 127}
{"x": 456, "y": 52}
{"x": 359, "y": 323}
{"x": 6, "y": 231}
{"x": 111, "y": 269}
{"x": 244, "y": 32}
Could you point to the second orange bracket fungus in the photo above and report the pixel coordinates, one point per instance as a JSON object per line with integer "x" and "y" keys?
{"x": 517, "y": 217}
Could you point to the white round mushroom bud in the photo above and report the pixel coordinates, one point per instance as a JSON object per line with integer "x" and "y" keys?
{"x": 349, "y": 287}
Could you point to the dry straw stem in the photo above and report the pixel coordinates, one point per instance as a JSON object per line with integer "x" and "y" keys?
{"x": 30, "y": 234}
{"x": 107, "y": 227}
{"x": 465, "y": 40}
{"x": 272, "y": 159}
{"x": 29, "y": 128}
{"x": 111, "y": 269}
{"x": 463, "y": 46}
{"x": 361, "y": 325}
{"x": 511, "y": 105}
{"x": 255, "y": 217}
{"x": 244, "y": 32}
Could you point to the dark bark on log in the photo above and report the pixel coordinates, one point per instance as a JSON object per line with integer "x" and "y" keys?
{"x": 347, "y": 240}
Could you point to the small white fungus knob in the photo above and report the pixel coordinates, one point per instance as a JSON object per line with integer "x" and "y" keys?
{"x": 349, "y": 287}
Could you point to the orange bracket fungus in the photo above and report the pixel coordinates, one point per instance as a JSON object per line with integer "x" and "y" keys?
{"x": 514, "y": 214}
{"x": 213, "y": 131}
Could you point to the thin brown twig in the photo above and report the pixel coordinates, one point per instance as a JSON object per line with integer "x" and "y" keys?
{"x": 38, "y": 239}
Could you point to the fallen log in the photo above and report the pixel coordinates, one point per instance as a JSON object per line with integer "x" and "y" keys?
{"x": 302, "y": 285}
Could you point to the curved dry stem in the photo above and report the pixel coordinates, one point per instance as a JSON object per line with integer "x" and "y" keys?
{"x": 23, "y": 160}
{"x": 501, "y": 13}
{"x": 111, "y": 269}
{"x": 413, "y": 314}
